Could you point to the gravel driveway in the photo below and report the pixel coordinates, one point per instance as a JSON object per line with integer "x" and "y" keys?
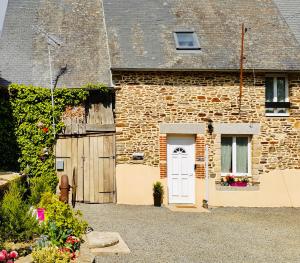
{"x": 236, "y": 235}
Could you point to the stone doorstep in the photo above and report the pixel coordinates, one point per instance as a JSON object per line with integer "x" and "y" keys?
{"x": 187, "y": 209}
{"x": 119, "y": 248}
{"x": 102, "y": 239}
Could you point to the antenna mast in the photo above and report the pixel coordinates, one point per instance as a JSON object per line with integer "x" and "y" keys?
{"x": 242, "y": 67}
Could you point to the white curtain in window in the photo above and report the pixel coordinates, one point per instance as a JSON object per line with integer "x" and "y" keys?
{"x": 242, "y": 155}
{"x": 226, "y": 154}
{"x": 281, "y": 89}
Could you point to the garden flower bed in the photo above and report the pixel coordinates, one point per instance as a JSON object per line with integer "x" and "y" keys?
{"x": 51, "y": 234}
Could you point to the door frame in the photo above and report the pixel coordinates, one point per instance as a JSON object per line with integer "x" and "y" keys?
{"x": 193, "y": 162}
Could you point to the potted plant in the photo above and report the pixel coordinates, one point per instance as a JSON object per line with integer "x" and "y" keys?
{"x": 230, "y": 180}
{"x": 158, "y": 192}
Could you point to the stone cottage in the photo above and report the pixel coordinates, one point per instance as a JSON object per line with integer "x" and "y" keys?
{"x": 181, "y": 115}
{"x": 175, "y": 67}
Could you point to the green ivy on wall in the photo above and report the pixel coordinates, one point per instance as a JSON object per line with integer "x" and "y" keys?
{"x": 26, "y": 132}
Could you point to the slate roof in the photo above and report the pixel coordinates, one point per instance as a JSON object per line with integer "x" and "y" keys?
{"x": 290, "y": 10}
{"x": 140, "y": 34}
{"x": 78, "y": 24}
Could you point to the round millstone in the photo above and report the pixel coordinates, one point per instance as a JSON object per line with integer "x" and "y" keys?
{"x": 102, "y": 239}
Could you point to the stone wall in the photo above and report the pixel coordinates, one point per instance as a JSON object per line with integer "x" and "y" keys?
{"x": 146, "y": 99}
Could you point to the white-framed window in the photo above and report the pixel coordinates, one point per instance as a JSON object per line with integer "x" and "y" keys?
{"x": 236, "y": 155}
{"x": 186, "y": 40}
{"x": 277, "y": 95}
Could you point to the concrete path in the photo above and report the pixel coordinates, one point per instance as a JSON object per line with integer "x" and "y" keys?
{"x": 226, "y": 235}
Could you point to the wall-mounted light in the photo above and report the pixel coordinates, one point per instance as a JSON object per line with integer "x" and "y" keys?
{"x": 210, "y": 126}
{"x": 138, "y": 156}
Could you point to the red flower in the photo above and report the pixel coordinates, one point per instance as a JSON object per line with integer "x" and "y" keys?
{"x": 45, "y": 129}
{"x": 13, "y": 254}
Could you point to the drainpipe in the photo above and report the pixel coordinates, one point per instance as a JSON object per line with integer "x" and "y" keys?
{"x": 206, "y": 175}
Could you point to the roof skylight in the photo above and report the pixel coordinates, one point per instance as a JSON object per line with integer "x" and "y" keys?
{"x": 186, "y": 40}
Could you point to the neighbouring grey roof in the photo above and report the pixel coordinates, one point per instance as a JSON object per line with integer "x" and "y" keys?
{"x": 290, "y": 10}
{"x": 78, "y": 24}
{"x": 140, "y": 34}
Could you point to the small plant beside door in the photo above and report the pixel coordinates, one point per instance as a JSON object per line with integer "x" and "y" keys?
{"x": 158, "y": 192}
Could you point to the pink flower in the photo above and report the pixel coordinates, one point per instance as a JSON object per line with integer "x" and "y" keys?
{"x": 5, "y": 253}
{"x": 13, "y": 254}
{"x": 2, "y": 256}
{"x": 9, "y": 261}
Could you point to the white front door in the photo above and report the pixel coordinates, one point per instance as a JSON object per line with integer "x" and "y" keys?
{"x": 181, "y": 162}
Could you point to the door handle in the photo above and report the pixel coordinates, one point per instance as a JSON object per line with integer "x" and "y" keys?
{"x": 195, "y": 167}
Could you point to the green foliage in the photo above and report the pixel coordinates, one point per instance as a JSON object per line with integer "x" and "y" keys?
{"x": 98, "y": 86}
{"x": 158, "y": 189}
{"x": 8, "y": 145}
{"x": 60, "y": 218}
{"x": 50, "y": 255}
{"x": 26, "y": 131}
{"x": 38, "y": 185}
{"x": 56, "y": 235}
{"x": 32, "y": 112}
{"x": 16, "y": 220}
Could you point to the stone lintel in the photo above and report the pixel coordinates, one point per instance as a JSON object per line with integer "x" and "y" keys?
{"x": 236, "y": 128}
{"x": 182, "y": 128}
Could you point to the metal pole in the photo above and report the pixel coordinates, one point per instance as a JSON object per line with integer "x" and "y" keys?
{"x": 52, "y": 90}
{"x": 242, "y": 66}
{"x": 206, "y": 174}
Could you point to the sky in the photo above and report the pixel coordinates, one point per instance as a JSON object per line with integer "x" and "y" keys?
{"x": 3, "y": 4}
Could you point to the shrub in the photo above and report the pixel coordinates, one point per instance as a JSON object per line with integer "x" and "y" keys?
{"x": 158, "y": 189}
{"x": 50, "y": 255}
{"x": 38, "y": 186}
{"x": 63, "y": 216}
{"x": 16, "y": 220}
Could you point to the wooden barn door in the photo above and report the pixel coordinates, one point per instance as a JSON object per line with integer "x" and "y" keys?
{"x": 93, "y": 158}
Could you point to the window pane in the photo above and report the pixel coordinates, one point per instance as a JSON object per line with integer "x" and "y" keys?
{"x": 186, "y": 39}
{"x": 281, "y": 89}
{"x": 226, "y": 155}
{"x": 242, "y": 154}
{"x": 281, "y": 110}
{"x": 269, "y": 89}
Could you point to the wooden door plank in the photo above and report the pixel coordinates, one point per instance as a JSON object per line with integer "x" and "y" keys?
{"x": 96, "y": 169}
{"x": 106, "y": 172}
{"x": 91, "y": 164}
{"x": 68, "y": 153}
{"x": 100, "y": 167}
{"x": 86, "y": 177}
{"x": 80, "y": 170}
{"x": 74, "y": 159}
{"x": 58, "y": 154}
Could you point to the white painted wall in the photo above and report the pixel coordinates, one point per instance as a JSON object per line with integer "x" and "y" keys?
{"x": 277, "y": 189}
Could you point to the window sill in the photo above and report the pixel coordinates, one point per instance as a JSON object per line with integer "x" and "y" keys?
{"x": 277, "y": 115}
{"x": 237, "y": 188}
